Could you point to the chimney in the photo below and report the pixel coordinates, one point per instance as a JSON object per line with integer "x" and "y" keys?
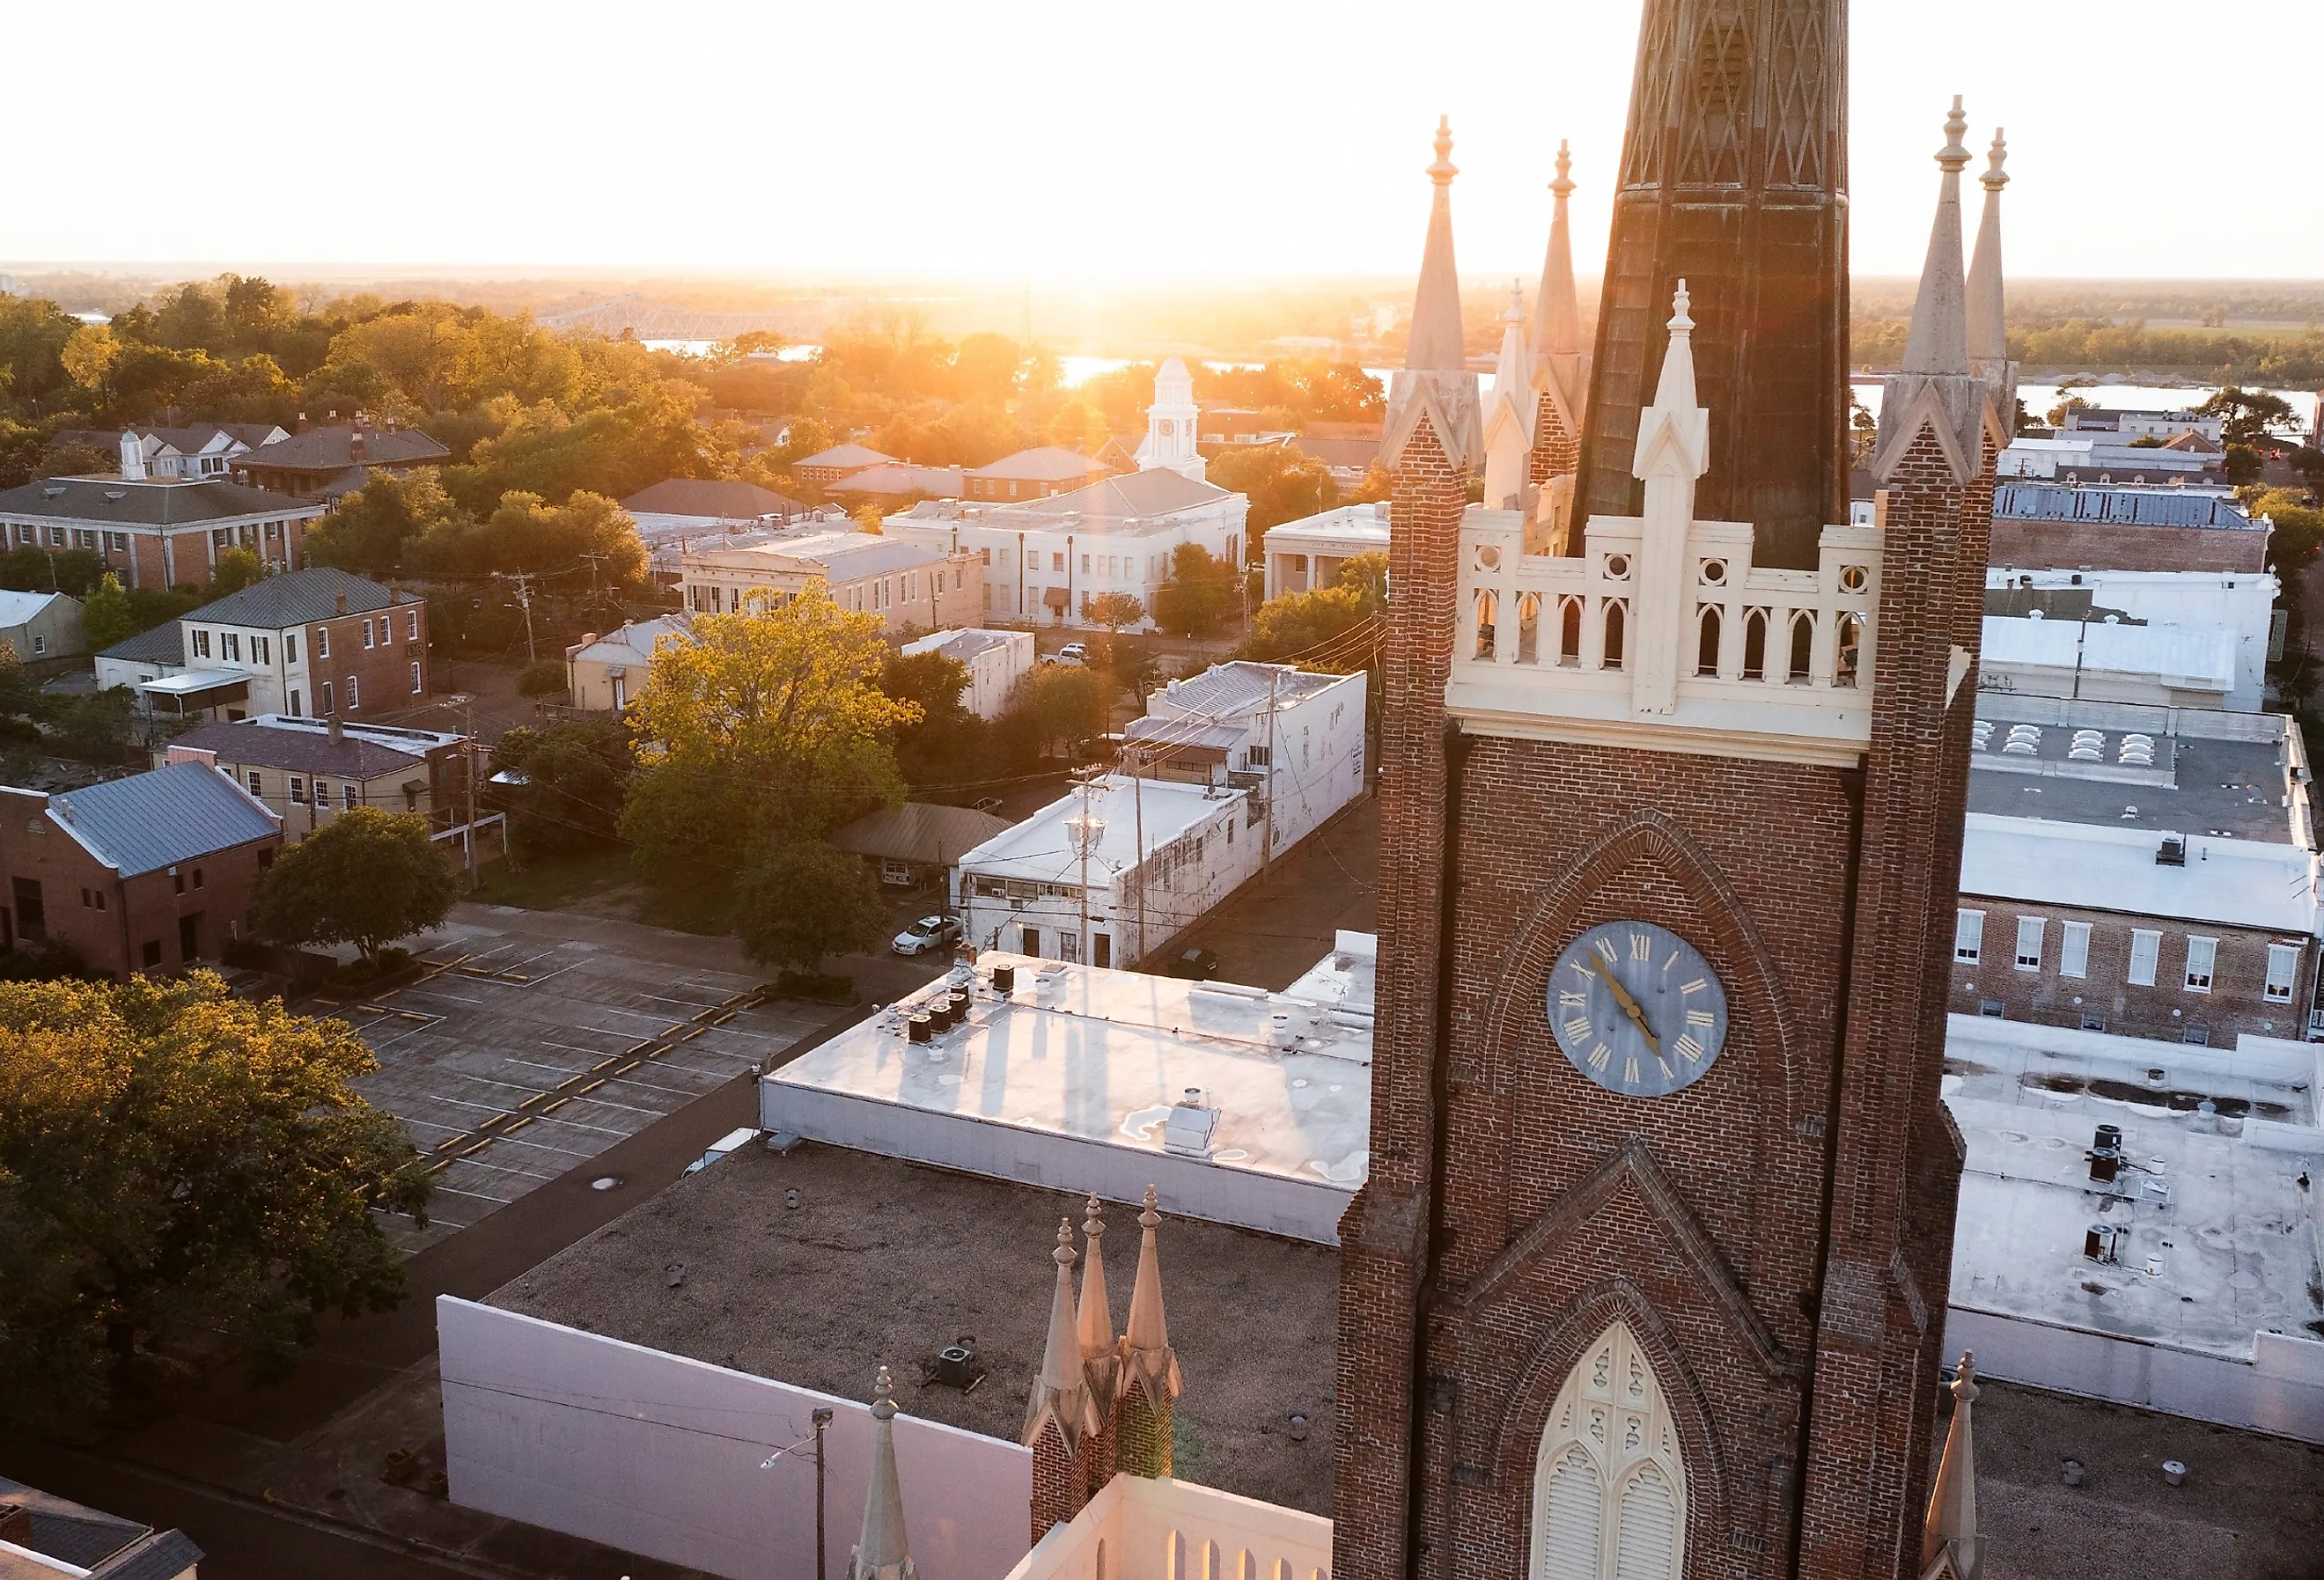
{"x": 356, "y": 447}
{"x": 337, "y": 733}
{"x": 133, "y": 457}
{"x": 332, "y": 415}
{"x": 342, "y": 603}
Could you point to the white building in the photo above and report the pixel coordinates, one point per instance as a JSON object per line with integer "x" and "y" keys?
{"x": 42, "y": 625}
{"x": 605, "y": 673}
{"x": 1045, "y": 559}
{"x": 2193, "y": 638}
{"x": 1306, "y": 554}
{"x": 2092, "y": 459}
{"x": 1170, "y": 426}
{"x": 2127, "y": 426}
{"x": 1293, "y": 739}
{"x": 1109, "y": 873}
{"x": 995, "y": 661}
{"x": 912, "y": 584}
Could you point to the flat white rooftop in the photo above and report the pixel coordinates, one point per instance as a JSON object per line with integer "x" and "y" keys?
{"x": 1079, "y": 1078}
{"x": 2218, "y": 1235}
{"x": 1345, "y": 978}
{"x": 1046, "y": 846}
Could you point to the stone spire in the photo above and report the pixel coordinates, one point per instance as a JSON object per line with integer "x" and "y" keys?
{"x": 1436, "y": 341}
{"x": 1950, "y": 1544}
{"x": 1674, "y": 450}
{"x": 1508, "y": 419}
{"x": 1936, "y": 387}
{"x": 1151, "y": 1379}
{"x": 1435, "y": 380}
{"x": 882, "y": 1552}
{"x": 1101, "y": 1348}
{"x": 1061, "y": 1395}
{"x": 1988, "y": 327}
{"x": 1557, "y": 313}
{"x": 1939, "y": 341}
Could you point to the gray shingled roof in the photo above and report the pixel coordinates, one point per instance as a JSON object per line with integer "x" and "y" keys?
{"x": 701, "y": 496}
{"x": 148, "y": 821}
{"x": 164, "y": 644}
{"x": 332, "y": 449}
{"x": 168, "y": 502}
{"x": 1047, "y": 463}
{"x": 298, "y": 597}
{"x": 299, "y": 751}
{"x": 919, "y": 831}
{"x": 1152, "y": 492}
{"x": 2137, "y": 507}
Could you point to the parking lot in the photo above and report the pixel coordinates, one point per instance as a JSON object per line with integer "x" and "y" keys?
{"x": 520, "y": 1054}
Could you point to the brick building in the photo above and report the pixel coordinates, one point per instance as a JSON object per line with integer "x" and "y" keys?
{"x": 151, "y": 872}
{"x": 305, "y": 643}
{"x": 326, "y": 464}
{"x": 2146, "y": 871}
{"x": 2047, "y": 526}
{"x": 307, "y": 772}
{"x": 1648, "y": 1275}
{"x": 910, "y": 585}
{"x": 156, "y": 532}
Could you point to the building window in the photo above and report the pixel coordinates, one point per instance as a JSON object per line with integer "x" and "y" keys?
{"x": 258, "y": 649}
{"x": 327, "y": 699}
{"x": 1991, "y": 1009}
{"x": 32, "y": 911}
{"x": 2282, "y": 965}
{"x": 198, "y": 877}
{"x": 411, "y": 624}
{"x": 322, "y": 641}
{"x": 297, "y": 791}
{"x": 201, "y": 644}
{"x": 177, "y": 881}
{"x": 367, "y": 641}
{"x": 323, "y": 794}
{"x": 1609, "y": 1480}
{"x": 355, "y": 697}
{"x": 2074, "y": 954}
{"x": 39, "y": 644}
{"x": 1969, "y": 937}
{"x": 415, "y": 677}
{"x": 2146, "y": 953}
{"x": 2029, "y": 943}
{"x": 348, "y": 797}
{"x": 1056, "y": 562}
{"x": 117, "y": 541}
{"x": 231, "y": 641}
{"x": 2196, "y": 1036}
{"x": 257, "y": 785}
{"x": 2093, "y": 1022}
{"x": 294, "y": 703}
{"x": 152, "y": 953}
{"x": 2202, "y": 954}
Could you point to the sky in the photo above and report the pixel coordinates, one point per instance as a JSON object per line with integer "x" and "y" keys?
{"x": 1080, "y": 143}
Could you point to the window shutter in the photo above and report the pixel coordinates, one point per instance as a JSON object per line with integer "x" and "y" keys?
{"x": 1646, "y": 1546}
{"x": 2074, "y": 954}
{"x": 1570, "y": 1538}
{"x": 2145, "y": 949}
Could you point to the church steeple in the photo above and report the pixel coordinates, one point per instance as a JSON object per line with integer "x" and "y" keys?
{"x": 883, "y": 1552}
{"x": 1735, "y": 174}
{"x": 1988, "y": 326}
{"x": 1151, "y": 1380}
{"x": 1950, "y": 1548}
{"x": 1434, "y": 380}
{"x": 1936, "y": 390}
{"x": 1557, "y": 313}
{"x": 1509, "y": 417}
{"x": 1060, "y": 1418}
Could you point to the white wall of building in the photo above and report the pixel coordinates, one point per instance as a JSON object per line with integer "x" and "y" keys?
{"x": 2241, "y": 604}
{"x": 1306, "y": 554}
{"x": 1039, "y": 553}
{"x": 1311, "y": 756}
{"x": 656, "y": 1453}
{"x": 1142, "y": 1527}
{"x": 994, "y": 668}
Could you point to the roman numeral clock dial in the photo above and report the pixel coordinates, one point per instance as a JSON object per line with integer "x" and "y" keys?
{"x": 1636, "y": 1008}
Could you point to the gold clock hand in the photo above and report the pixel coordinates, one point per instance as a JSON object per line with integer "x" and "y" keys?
{"x": 1630, "y": 1008}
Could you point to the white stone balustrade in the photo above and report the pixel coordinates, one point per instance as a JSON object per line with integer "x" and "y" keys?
{"x": 1700, "y": 647}
{"x": 1142, "y": 1529}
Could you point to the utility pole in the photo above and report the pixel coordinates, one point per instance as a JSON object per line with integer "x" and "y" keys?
{"x": 821, "y": 1418}
{"x": 1085, "y": 829}
{"x": 593, "y": 560}
{"x": 524, "y": 580}
{"x": 468, "y": 701}
{"x": 1138, "y": 808}
{"x": 1266, "y": 848}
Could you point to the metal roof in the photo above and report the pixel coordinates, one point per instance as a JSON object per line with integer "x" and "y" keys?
{"x": 164, "y": 644}
{"x": 250, "y": 743}
{"x": 296, "y": 597}
{"x": 712, "y": 501}
{"x": 2139, "y": 507}
{"x": 148, "y": 821}
{"x": 1224, "y": 691}
{"x": 16, "y": 608}
{"x": 1153, "y": 492}
{"x": 845, "y": 455}
{"x": 919, "y": 831}
{"x": 1047, "y": 463}
{"x": 332, "y": 449}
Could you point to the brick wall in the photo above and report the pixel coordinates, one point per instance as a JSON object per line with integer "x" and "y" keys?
{"x": 2236, "y": 1003}
{"x": 1556, "y": 449}
{"x": 2101, "y": 545}
{"x": 382, "y": 671}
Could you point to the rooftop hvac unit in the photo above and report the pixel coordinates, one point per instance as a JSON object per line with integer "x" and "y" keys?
{"x": 1192, "y": 1125}
{"x": 2171, "y": 851}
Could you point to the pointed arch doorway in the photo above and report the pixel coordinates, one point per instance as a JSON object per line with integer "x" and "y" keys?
{"x": 1610, "y": 1483}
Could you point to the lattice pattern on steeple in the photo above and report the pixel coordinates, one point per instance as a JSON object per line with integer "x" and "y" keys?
{"x": 1803, "y": 119}
{"x": 1716, "y": 126}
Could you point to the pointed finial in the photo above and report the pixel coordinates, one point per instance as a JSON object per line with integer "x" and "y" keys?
{"x": 1101, "y": 1349}
{"x": 1515, "y": 312}
{"x": 1151, "y": 1218}
{"x": 1995, "y": 177}
{"x": 883, "y": 1397}
{"x": 1965, "y": 1388}
{"x": 1563, "y": 185}
{"x": 1949, "y": 1530}
{"x": 1954, "y": 156}
{"x": 1680, "y": 323}
{"x": 1064, "y": 1254}
{"x": 1443, "y": 171}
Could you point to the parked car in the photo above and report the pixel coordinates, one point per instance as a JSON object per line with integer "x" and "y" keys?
{"x": 1196, "y": 964}
{"x": 1074, "y": 655}
{"x": 930, "y": 932}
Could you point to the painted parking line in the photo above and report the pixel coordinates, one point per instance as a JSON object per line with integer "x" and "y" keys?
{"x": 474, "y": 1195}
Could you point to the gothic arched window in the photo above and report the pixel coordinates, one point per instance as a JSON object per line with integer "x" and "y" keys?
{"x": 1609, "y": 1485}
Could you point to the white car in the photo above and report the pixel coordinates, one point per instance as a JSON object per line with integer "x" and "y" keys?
{"x": 930, "y": 932}
{"x": 1074, "y": 655}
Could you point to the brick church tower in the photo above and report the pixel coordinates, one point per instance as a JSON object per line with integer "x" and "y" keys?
{"x": 1650, "y": 1272}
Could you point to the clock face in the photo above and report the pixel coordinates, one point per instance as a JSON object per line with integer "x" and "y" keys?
{"x": 1637, "y": 1008}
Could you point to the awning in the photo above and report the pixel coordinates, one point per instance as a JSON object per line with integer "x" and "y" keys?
{"x": 196, "y": 689}
{"x": 1058, "y": 598}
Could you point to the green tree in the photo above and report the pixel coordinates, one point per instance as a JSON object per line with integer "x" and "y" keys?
{"x": 1055, "y": 707}
{"x": 375, "y": 526}
{"x": 1283, "y": 484}
{"x": 20, "y": 698}
{"x": 175, "y": 1159}
{"x": 1115, "y": 610}
{"x": 947, "y": 745}
{"x": 2251, "y": 415}
{"x": 801, "y": 899}
{"x": 365, "y": 878}
{"x": 94, "y": 725}
{"x": 577, "y": 777}
{"x": 1201, "y": 596}
{"x": 235, "y": 568}
{"x": 105, "y": 617}
{"x": 2242, "y": 464}
{"x": 72, "y": 571}
{"x": 769, "y": 726}
{"x": 586, "y": 541}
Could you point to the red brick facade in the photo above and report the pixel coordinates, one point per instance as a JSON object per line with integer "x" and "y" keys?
{"x": 2106, "y": 546}
{"x": 2105, "y": 998}
{"x": 1778, "y": 1234}
{"x": 367, "y": 674}
{"x": 1556, "y": 449}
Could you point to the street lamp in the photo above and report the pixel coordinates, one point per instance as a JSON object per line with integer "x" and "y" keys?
{"x": 822, "y": 1418}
